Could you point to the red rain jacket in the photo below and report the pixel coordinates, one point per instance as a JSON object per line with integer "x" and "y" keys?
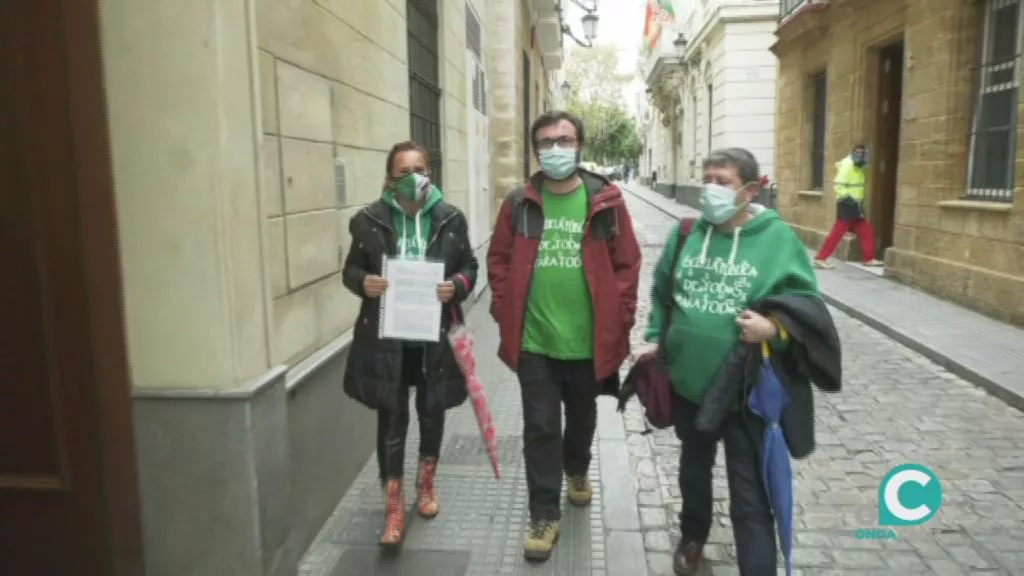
{"x": 611, "y": 261}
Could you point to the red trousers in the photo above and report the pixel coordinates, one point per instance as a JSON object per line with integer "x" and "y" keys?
{"x": 862, "y": 228}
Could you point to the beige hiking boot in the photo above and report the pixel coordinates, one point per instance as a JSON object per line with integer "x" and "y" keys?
{"x": 540, "y": 540}
{"x": 579, "y": 490}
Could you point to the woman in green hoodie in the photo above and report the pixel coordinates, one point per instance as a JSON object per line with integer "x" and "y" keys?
{"x": 411, "y": 220}
{"x": 737, "y": 254}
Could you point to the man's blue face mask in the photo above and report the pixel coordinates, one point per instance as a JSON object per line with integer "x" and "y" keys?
{"x": 860, "y": 157}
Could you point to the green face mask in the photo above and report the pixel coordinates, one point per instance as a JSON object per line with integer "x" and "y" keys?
{"x": 413, "y": 187}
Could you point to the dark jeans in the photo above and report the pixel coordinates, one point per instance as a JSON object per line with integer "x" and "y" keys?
{"x": 753, "y": 525}
{"x": 545, "y": 384}
{"x": 393, "y": 425}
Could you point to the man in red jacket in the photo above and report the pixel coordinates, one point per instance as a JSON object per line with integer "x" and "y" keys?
{"x": 564, "y": 268}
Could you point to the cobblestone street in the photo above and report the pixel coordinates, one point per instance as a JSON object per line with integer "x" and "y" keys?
{"x": 896, "y": 407}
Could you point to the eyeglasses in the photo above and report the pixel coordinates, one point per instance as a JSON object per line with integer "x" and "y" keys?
{"x": 562, "y": 141}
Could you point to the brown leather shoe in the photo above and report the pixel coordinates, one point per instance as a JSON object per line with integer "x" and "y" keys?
{"x": 688, "y": 560}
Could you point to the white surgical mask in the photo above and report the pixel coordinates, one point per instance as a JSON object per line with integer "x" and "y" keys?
{"x": 718, "y": 203}
{"x": 559, "y": 163}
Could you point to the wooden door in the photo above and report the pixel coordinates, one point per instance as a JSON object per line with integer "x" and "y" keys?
{"x": 886, "y": 156}
{"x": 68, "y": 495}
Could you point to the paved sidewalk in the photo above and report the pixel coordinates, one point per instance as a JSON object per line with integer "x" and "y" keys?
{"x": 979, "y": 349}
{"x": 896, "y": 407}
{"x": 483, "y": 520}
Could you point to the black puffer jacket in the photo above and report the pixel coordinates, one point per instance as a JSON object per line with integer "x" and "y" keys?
{"x": 373, "y": 375}
{"x": 814, "y": 356}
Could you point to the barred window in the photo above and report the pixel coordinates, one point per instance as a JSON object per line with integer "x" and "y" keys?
{"x": 483, "y": 90}
{"x": 711, "y": 114}
{"x": 474, "y": 32}
{"x": 425, "y": 81}
{"x": 476, "y": 91}
{"x": 479, "y": 90}
{"x": 994, "y": 131}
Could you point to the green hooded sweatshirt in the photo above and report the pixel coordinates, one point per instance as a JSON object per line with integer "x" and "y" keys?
{"x": 412, "y": 232}
{"x": 719, "y": 276}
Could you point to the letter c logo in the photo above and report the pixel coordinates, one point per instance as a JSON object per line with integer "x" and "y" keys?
{"x": 908, "y": 496}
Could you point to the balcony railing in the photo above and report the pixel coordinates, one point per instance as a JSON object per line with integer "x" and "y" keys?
{"x": 788, "y": 7}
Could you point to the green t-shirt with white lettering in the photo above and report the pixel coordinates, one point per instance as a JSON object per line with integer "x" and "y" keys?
{"x": 559, "y": 311}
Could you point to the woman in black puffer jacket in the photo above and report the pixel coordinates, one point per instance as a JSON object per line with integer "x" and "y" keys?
{"x": 410, "y": 220}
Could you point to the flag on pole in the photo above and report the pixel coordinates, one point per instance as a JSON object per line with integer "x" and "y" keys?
{"x": 668, "y": 12}
{"x": 657, "y": 13}
{"x": 652, "y": 28}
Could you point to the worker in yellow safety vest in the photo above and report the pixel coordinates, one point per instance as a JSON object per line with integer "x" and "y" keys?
{"x": 851, "y": 176}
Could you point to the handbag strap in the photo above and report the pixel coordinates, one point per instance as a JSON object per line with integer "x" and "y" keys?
{"x": 685, "y": 228}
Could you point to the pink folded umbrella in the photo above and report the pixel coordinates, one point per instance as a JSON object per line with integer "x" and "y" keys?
{"x": 462, "y": 343}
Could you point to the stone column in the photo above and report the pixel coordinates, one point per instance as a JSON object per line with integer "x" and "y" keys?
{"x": 210, "y": 418}
{"x": 504, "y": 57}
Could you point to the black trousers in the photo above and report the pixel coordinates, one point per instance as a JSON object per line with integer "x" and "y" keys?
{"x": 392, "y": 426}
{"x": 545, "y": 384}
{"x": 753, "y": 525}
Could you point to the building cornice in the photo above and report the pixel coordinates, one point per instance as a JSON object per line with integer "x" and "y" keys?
{"x": 669, "y": 74}
{"x": 662, "y": 65}
{"x": 547, "y": 26}
{"x": 665, "y": 81}
{"x": 728, "y": 14}
{"x": 809, "y": 20}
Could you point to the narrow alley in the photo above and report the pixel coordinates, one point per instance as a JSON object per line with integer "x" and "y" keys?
{"x": 200, "y": 199}
{"x": 897, "y": 407}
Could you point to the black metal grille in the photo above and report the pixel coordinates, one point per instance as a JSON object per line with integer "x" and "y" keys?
{"x": 787, "y": 7}
{"x": 711, "y": 115}
{"x": 479, "y": 89}
{"x": 483, "y": 91}
{"x": 425, "y": 82}
{"x": 476, "y": 88}
{"x": 474, "y": 41}
{"x": 693, "y": 165}
{"x": 994, "y": 134}
{"x": 819, "y": 93}
{"x": 474, "y": 34}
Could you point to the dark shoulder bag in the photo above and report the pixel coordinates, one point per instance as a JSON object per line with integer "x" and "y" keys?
{"x": 685, "y": 228}
{"x": 649, "y": 375}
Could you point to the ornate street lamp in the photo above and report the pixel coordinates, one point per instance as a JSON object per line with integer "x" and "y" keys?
{"x": 590, "y": 26}
{"x": 680, "y": 44}
{"x": 589, "y": 21}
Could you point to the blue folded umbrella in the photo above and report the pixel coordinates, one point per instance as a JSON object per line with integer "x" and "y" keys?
{"x": 768, "y": 399}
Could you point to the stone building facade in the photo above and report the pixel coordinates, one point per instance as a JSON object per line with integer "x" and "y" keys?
{"x": 524, "y": 69}
{"x": 719, "y": 92}
{"x": 932, "y": 88}
{"x": 244, "y": 137}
